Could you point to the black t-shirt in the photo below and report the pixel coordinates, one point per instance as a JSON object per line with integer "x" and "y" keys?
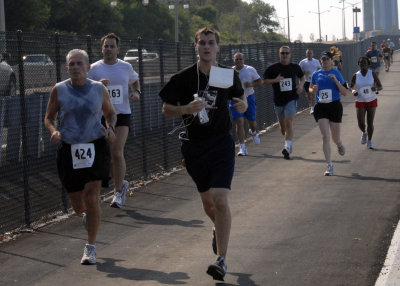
{"x": 285, "y": 90}
{"x": 180, "y": 90}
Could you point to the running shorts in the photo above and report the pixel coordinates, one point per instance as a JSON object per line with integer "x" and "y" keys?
{"x": 210, "y": 162}
{"x": 74, "y": 180}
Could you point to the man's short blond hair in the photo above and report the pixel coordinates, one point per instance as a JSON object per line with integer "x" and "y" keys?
{"x": 284, "y": 47}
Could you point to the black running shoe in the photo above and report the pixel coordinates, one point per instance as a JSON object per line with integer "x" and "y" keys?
{"x": 214, "y": 241}
{"x": 218, "y": 269}
{"x": 285, "y": 153}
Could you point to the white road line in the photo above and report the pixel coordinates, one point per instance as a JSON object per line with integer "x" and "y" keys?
{"x": 390, "y": 273}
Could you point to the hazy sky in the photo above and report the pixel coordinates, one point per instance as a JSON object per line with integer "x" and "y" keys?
{"x": 304, "y": 23}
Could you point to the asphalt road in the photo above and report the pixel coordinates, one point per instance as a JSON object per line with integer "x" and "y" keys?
{"x": 291, "y": 224}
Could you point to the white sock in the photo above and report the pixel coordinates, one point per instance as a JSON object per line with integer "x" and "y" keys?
{"x": 243, "y": 145}
{"x": 288, "y": 143}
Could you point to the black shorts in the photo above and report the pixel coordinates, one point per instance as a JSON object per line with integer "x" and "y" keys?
{"x": 122, "y": 120}
{"x": 210, "y": 162}
{"x": 74, "y": 180}
{"x": 306, "y": 86}
{"x": 332, "y": 111}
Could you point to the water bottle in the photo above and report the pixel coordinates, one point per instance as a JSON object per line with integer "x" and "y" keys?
{"x": 202, "y": 114}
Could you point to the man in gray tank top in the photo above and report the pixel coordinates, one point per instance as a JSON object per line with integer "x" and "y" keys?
{"x": 83, "y": 156}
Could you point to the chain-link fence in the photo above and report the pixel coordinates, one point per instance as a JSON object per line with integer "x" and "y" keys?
{"x": 33, "y": 63}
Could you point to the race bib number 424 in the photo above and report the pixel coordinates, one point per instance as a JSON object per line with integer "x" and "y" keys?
{"x": 82, "y": 155}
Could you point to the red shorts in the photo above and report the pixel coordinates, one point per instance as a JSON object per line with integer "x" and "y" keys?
{"x": 373, "y": 103}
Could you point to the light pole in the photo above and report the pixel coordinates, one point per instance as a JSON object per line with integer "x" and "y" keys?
{"x": 175, "y": 7}
{"x": 284, "y": 27}
{"x": 240, "y": 22}
{"x": 344, "y": 15}
{"x": 319, "y": 19}
{"x": 288, "y": 21}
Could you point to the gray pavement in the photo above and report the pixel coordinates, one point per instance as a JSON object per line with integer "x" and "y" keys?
{"x": 291, "y": 224}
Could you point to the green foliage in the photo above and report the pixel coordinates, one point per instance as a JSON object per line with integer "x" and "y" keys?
{"x": 130, "y": 19}
{"x": 29, "y": 16}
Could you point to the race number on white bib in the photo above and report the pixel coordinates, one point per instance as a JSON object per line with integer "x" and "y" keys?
{"x": 386, "y": 54}
{"x": 286, "y": 84}
{"x": 366, "y": 92}
{"x": 116, "y": 94}
{"x": 374, "y": 59}
{"x": 82, "y": 155}
{"x": 325, "y": 95}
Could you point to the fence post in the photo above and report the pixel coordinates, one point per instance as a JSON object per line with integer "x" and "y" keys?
{"x": 27, "y": 207}
{"x": 89, "y": 47}
{"x": 58, "y": 56}
{"x": 194, "y": 55}
{"x": 142, "y": 109}
{"x": 164, "y": 123}
{"x": 178, "y": 55}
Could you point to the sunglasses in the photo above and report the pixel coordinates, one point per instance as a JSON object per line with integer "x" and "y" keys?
{"x": 285, "y": 53}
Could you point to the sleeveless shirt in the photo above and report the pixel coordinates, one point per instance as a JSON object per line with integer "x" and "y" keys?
{"x": 364, "y": 83}
{"x": 80, "y": 111}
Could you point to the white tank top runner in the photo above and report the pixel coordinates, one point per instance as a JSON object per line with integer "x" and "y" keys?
{"x": 364, "y": 84}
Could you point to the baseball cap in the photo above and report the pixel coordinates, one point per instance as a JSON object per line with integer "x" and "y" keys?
{"x": 326, "y": 54}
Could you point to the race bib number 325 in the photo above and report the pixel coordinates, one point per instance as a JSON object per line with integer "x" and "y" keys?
{"x": 82, "y": 155}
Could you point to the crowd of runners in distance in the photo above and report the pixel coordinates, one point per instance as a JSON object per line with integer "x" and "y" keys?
{"x": 89, "y": 115}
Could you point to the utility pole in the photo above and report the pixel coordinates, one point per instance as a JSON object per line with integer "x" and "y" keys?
{"x": 288, "y": 20}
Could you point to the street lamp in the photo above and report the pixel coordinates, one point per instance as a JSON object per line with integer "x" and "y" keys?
{"x": 175, "y": 7}
{"x": 284, "y": 27}
{"x": 319, "y": 19}
{"x": 288, "y": 20}
{"x": 343, "y": 15}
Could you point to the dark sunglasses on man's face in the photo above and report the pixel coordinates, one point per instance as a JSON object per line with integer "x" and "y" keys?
{"x": 285, "y": 53}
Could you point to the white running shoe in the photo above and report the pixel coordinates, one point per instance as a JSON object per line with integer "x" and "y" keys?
{"x": 364, "y": 137}
{"x": 256, "y": 138}
{"x": 89, "y": 255}
{"x": 312, "y": 110}
{"x": 369, "y": 145}
{"x": 242, "y": 151}
{"x": 119, "y": 198}
{"x": 329, "y": 170}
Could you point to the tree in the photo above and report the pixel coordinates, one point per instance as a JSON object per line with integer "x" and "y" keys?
{"x": 94, "y": 17}
{"x": 27, "y": 16}
{"x": 262, "y": 13}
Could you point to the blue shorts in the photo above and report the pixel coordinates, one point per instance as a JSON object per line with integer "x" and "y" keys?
{"x": 377, "y": 69}
{"x": 289, "y": 109}
{"x": 250, "y": 113}
{"x": 210, "y": 162}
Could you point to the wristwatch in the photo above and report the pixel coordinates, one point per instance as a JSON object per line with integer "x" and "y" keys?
{"x": 138, "y": 91}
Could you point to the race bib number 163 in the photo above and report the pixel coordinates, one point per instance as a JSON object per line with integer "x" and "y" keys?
{"x": 82, "y": 155}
